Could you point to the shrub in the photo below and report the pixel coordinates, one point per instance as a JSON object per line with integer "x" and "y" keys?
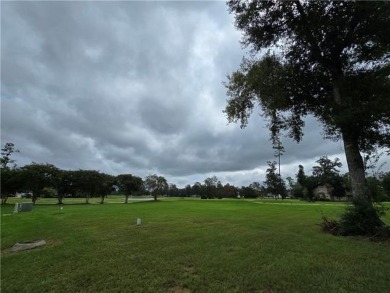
{"x": 362, "y": 219}
{"x": 359, "y": 219}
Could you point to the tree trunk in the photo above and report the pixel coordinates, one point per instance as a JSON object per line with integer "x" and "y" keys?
{"x": 354, "y": 159}
{"x": 126, "y": 198}
{"x": 356, "y": 169}
{"x": 362, "y": 218}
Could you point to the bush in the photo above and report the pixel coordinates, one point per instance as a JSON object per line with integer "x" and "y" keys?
{"x": 362, "y": 219}
{"x": 359, "y": 219}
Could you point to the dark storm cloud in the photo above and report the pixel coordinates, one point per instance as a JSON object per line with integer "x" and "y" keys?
{"x": 132, "y": 87}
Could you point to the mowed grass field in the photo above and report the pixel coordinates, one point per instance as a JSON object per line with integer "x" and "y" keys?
{"x": 188, "y": 245}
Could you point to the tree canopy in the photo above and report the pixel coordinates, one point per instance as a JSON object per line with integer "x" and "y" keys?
{"x": 156, "y": 185}
{"x": 274, "y": 183}
{"x": 327, "y": 168}
{"x": 329, "y": 59}
{"x": 128, "y": 184}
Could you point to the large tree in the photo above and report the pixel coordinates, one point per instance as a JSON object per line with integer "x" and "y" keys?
{"x": 92, "y": 183}
{"x": 106, "y": 186}
{"x": 327, "y": 172}
{"x": 129, "y": 184}
{"x": 197, "y": 188}
{"x": 10, "y": 183}
{"x": 274, "y": 183}
{"x": 66, "y": 184}
{"x": 326, "y": 169}
{"x": 156, "y": 185}
{"x": 210, "y": 184}
{"x": 36, "y": 177}
{"x": 329, "y": 59}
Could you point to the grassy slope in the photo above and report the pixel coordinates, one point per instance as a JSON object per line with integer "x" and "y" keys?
{"x": 188, "y": 245}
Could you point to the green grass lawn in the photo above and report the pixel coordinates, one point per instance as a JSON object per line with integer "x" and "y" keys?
{"x": 188, "y": 245}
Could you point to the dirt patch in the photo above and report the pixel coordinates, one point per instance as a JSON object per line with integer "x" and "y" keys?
{"x": 179, "y": 289}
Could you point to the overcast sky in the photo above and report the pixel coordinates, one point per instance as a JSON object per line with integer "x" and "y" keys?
{"x": 134, "y": 87}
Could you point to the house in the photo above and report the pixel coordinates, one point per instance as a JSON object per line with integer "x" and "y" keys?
{"x": 323, "y": 192}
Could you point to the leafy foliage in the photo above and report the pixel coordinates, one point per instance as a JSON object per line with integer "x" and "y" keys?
{"x": 6, "y": 153}
{"x": 360, "y": 220}
{"x": 274, "y": 183}
{"x": 156, "y": 185}
{"x": 10, "y": 183}
{"x": 330, "y": 59}
{"x": 326, "y": 168}
{"x": 36, "y": 177}
{"x": 129, "y": 184}
{"x": 210, "y": 184}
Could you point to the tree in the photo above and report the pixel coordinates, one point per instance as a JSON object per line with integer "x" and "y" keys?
{"x": 275, "y": 184}
{"x": 376, "y": 190}
{"x": 211, "y": 186}
{"x": 256, "y": 186}
{"x": 128, "y": 184}
{"x": 9, "y": 176}
{"x": 36, "y": 177}
{"x": 173, "y": 190}
{"x": 291, "y": 184}
{"x": 332, "y": 61}
{"x": 219, "y": 190}
{"x": 188, "y": 190}
{"x": 326, "y": 172}
{"x": 6, "y": 153}
{"x": 91, "y": 182}
{"x": 156, "y": 185}
{"x": 370, "y": 161}
{"x": 326, "y": 168}
{"x": 10, "y": 183}
{"x": 386, "y": 184}
{"x": 66, "y": 184}
{"x": 300, "y": 189}
{"x": 248, "y": 192}
{"x": 105, "y": 187}
{"x": 301, "y": 176}
{"x": 297, "y": 191}
{"x": 197, "y": 188}
{"x": 229, "y": 191}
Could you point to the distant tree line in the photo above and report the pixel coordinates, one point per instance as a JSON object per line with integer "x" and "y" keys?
{"x": 46, "y": 180}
